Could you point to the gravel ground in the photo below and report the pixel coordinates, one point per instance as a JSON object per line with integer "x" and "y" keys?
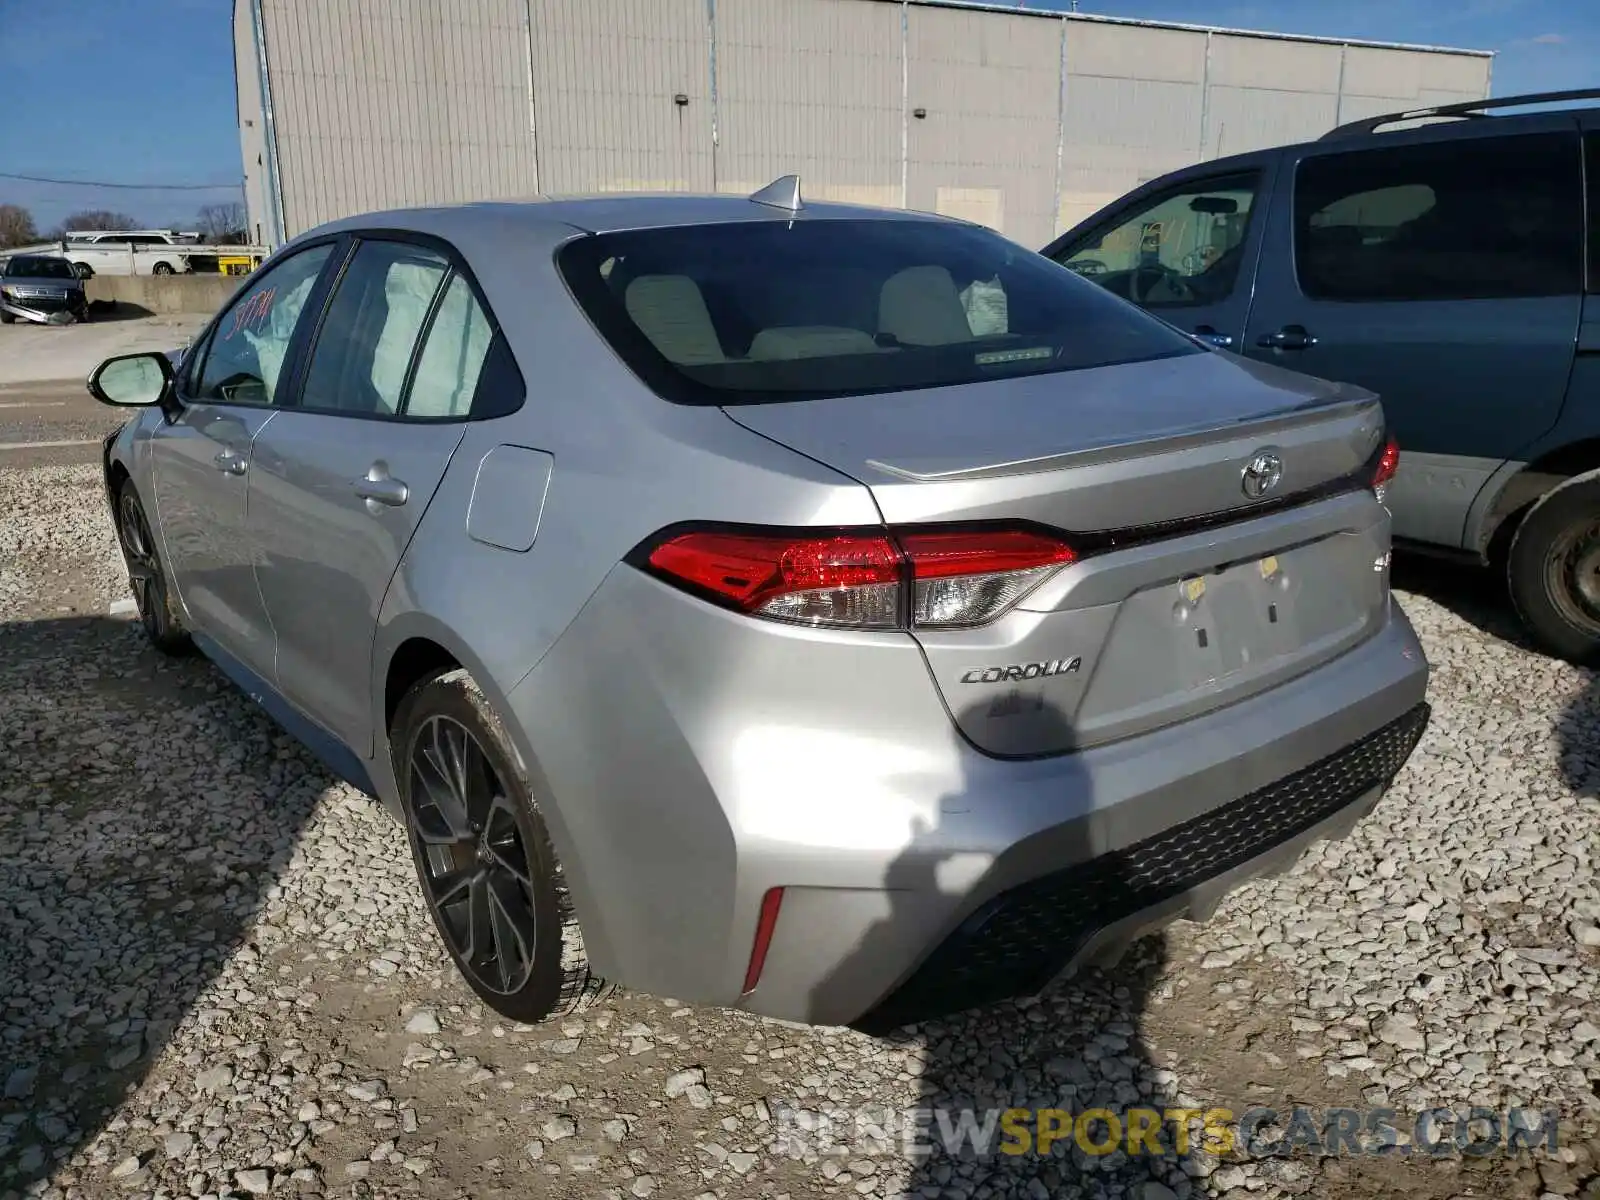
{"x": 217, "y": 978}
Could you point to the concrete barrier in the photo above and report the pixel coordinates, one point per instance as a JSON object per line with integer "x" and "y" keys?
{"x": 165, "y": 293}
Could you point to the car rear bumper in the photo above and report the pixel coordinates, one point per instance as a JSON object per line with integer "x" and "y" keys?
{"x": 691, "y": 760}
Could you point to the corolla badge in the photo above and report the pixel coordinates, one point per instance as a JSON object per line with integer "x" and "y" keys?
{"x": 1261, "y": 474}
{"x": 1016, "y": 672}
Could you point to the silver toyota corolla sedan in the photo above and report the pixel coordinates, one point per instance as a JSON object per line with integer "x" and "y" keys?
{"x": 842, "y": 614}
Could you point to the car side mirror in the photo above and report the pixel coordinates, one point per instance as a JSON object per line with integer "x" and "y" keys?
{"x": 133, "y": 381}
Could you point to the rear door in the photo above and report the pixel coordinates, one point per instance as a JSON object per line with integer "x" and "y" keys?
{"x": 342, "y": 479}
{"x": 1184, "y": 249}
{"x": 1444, "y": 274}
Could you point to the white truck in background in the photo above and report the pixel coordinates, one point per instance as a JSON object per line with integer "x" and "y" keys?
{"x": 153, "y": 252}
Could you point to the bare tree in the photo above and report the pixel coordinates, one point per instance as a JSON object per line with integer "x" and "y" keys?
{"x": 97, "y": 219}
{"x": 222, "y": 224}
{"x": 16, "y": 226}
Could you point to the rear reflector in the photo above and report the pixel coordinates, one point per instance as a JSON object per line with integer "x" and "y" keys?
{"x": 868, "y": 579}
{"x": 765, "y": 924}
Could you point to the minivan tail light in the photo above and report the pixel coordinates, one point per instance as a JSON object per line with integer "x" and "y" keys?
{"x": 1388, "y": 464}
{"x": 867, "y": 579}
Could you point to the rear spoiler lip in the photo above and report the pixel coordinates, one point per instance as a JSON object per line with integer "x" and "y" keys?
{"x": 1319, "y": 409}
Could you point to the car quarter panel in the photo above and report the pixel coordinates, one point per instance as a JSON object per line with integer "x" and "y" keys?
{"x": 622, "y": 464}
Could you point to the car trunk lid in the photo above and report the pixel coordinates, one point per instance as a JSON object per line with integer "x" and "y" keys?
{"x": 1190, "y": 592}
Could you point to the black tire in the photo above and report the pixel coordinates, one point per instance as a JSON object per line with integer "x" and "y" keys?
{"x": 1553, "y": 570}
{"x": 162, "y": 268}
{"x": 486, "y": 856}
{"x": 147, "y": 577}
{"x": 6, "y": 318}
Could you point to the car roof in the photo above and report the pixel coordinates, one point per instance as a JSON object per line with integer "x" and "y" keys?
{"x": 611, "y": 213}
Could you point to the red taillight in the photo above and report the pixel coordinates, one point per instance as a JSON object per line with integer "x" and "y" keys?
{"x": 843, "y": 579}
{"x": 765, "y": 924}
{"x": 1388, "y": 464}
{"x": 867, "y": 579}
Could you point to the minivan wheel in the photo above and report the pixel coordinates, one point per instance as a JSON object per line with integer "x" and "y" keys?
{"x": 1553, "y": 568}
{"x": 158, "y": 611}
{"x": 483, "y": 855}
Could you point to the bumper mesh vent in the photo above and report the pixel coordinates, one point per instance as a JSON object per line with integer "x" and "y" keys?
{"x": 1020, "y": 940}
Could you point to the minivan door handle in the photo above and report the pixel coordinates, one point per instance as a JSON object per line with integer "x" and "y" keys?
{"x": 378, "y": 487}
{"x": 1211, "y": 337}
{"x": 1290, "y": 337}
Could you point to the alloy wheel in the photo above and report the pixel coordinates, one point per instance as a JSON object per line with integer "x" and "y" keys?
{"x": 144, "y": 571}
{"x": 474, "y": 855}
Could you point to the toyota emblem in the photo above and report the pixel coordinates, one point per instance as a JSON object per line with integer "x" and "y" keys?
{"x": 1261, "y": 474}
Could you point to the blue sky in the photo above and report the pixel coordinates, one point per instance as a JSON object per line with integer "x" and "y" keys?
{"x": 141, "y": 91}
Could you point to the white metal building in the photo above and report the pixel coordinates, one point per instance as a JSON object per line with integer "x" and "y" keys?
{"x": 1023, "y": 120}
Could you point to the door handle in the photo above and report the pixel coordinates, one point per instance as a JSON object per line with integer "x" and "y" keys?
{"x": 1290, "y": 337}
{"x": 379, "y": 487}
{"x": 229, "y": 462}
{"x": 1205, "y": 333}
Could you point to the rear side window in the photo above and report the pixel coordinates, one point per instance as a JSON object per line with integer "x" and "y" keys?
{"x": 1475, "y": 220}
{"x": 759, "y": 311}
{"x": 452, "y": 357}
{"x": 367, "y": 338}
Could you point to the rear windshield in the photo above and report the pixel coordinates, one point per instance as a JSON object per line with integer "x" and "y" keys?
{"x": 761, "y": 311}
{"x": 40, "y": 268}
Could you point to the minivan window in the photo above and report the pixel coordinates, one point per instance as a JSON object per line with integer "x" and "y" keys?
{"x": 748, "y": 312}
{"x": 1182, "y": 248}
{"x": 1452, "y": 220}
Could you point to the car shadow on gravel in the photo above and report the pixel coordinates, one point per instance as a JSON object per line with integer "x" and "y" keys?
{"x": 1578, "y": 740}
{"x": 1476, "y": 594}
{"x": 146, "y": 810}
{"x": 1076, "y": 1046}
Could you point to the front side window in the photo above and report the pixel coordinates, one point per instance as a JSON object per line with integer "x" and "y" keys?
{"x": 370, "y": 332}
{"x": 760, "y": 311}
{"x": 251, "y": 339}
{"x": 1456, "y": 220}
{"x": 1183, "y": 248}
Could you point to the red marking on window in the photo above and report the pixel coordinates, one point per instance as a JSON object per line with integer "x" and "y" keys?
{"x": 252, "y": 313}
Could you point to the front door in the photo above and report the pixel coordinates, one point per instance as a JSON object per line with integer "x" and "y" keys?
{"x": 1185, "y": 250}
{"x": 201, "y": 461}
{"x": 342, "y": 478}
{"x": 1447, "y": 276}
